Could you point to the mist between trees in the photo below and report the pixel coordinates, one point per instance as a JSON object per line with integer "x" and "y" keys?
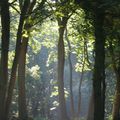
{"x": 59, "y": 60}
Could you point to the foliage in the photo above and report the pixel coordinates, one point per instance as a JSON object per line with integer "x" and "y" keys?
{"x": 41, "y": 61}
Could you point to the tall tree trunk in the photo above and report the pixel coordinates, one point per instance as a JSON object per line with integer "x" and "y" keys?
{"x": 71, "y": 80}
{"x": 21, "y": 81}
{"x": 99, "y": 67}
{"x": 61, "y": 57}
{"x": 21, "y": 68}
{"x": 5, "y": 22}
{"x": 16, "y": 58}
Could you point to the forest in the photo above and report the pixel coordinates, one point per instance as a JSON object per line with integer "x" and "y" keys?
{"x": 59, "y": 59}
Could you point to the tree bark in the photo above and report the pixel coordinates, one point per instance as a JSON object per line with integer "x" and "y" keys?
{"x": 5, "y": 22}
{"x": 99, "y": 67}
{"x": 21, "y": 81}
{"x": 16, "y": 58}
{"x": 61, "y": 57}
{"x": 21, "y": 68}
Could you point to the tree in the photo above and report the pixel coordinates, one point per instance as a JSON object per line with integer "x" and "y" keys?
{"x": 62, "y": 14}
{"x": 21, "y": 80}
{"x": 99, "y": 67}
{"x": 99, "y": 48}
{"x": 16, "y": 58}
{"x": 61, "y": 53}
{"x": 22, "y": 64}
{"x": 5, "y": 22}
{"x": 45, "y": 88}
{"x": 115, "y": 59}
{"x": 113, "y": 40}
{"x": 26, "y": 8}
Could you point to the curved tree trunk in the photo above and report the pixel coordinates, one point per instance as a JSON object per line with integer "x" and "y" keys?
{"x": 5, "y": 22}
{"x": 61, "y": 57}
